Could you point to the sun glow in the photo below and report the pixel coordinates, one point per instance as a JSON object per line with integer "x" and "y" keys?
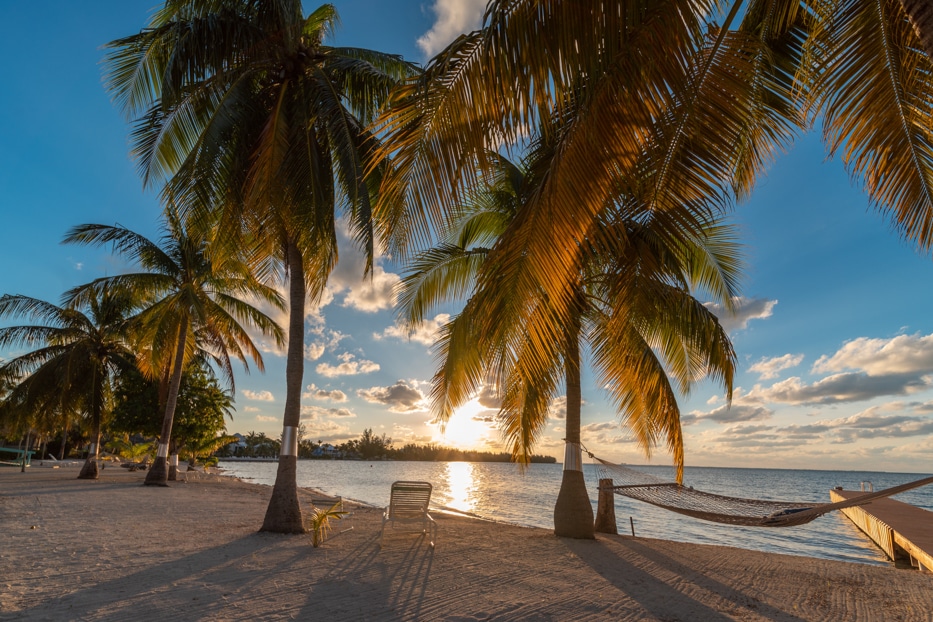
{"x": 466, "y": 430}
{"x": 460, "y": 480}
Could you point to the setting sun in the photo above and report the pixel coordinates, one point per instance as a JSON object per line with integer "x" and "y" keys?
{"x": 465, "y": 430}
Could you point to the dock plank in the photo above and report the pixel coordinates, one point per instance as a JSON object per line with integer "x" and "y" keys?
{"x": 893, "y": 525}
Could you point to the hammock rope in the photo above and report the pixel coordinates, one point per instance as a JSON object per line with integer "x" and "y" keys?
{"x": 728, "y": 510}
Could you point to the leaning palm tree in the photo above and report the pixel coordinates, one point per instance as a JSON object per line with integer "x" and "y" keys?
{"x": 192, "y": 302}
{"x": 669, "y": 107}
{"x": 256, "y": 120}
{"x": 76, "y": 352}
{"x": 635, "y": 309}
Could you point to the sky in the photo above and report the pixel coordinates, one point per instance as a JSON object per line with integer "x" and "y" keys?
{"x": 834, "y": 338}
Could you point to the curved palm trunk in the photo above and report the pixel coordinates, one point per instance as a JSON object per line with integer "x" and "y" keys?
{"x": 158, "y": 474}
{"x": 573, "y": 514}
{"x": 920, "y": 13}
{"x": 284, "y": 513}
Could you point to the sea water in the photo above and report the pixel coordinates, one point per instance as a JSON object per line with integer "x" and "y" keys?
{"x": 503, "y": 492}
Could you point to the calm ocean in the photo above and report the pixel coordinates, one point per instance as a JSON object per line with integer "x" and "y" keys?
{"x": 499, "y": 491}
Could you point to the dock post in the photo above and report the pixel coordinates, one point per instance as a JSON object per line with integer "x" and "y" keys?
{"x": 606, "y": 509}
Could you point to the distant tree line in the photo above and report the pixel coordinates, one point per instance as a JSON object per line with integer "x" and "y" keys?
{"x": 369, "y": 446}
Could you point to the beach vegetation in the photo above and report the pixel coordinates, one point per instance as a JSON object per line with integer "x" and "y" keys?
{"x": 194, "y": 303}
{"x": 370, "y": 445}
{"x": 320, "y": 522}
{"x": 123, "y": 447}
{"x": 201, "y": 412}
{"x": 260, "y": 128}
{"x": 75, "y": 353}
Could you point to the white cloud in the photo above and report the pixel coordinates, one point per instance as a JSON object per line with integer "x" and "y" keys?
{"x": 872, "y": 423}
{"x": 401, "y": 397}
{"x": 314, "y": 351}
{"x": 839, "y": 388}
{"x": 364, "y": 292}
{"x": 903, "y": 354}
{"x": 325, "y": 429}
{"x": 317, "y": 412}
{"x": 250, "y": 409}
{"x": 453, "y": 18}
{"x": 604, "y": 433}
{"x": 374, "y": 292}
{"x": 259, "y": 396}
{"x": 315, "y": 393}
{"x": 768, "y": 368}
{"x": 322, "y": 341}
{"x": 557, "y": 408}
{"x": 488, "y": 398}
{"x": 746, "y": 309}
{"x": 734, "y": 413}
{"x": 426, "y": 333}
{"x": 266, "y": 418}
{"x": 349, "y": 367}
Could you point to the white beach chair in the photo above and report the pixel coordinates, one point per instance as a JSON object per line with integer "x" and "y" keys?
{"x": 408, "y": 505}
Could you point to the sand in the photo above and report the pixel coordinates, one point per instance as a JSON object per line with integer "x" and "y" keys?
{"x": 113, "y": 549}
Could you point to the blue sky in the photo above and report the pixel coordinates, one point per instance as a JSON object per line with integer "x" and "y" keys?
{"x": 835, "y": 338}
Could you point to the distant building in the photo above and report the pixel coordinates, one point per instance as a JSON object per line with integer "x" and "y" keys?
{"x": 325, "y": 451}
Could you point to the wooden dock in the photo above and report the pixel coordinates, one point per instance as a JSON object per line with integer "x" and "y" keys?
{"x": 903, "y": 531}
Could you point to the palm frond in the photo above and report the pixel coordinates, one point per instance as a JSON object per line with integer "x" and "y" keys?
{"x": 873, "y": 84}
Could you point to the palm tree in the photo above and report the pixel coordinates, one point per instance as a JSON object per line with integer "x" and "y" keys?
{"x": 192, "y": 301}
{"x": 77, "y": 351}
{"x": 635, "y": 309}
{"x": 202, "y": 448}
{"x": 661, "y": 106}
{"x": 252, "y": 116}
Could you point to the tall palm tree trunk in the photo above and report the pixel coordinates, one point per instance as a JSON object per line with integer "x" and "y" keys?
{"x": 61, "y": 452}
{"x": 91, "y": 470}
{"x": 25, "y": 452}
{"x": 573, "y": 514}
{"x": 284, "y": 513}
{"x": 920, "y": 13}
{"x": 159, "y": 472}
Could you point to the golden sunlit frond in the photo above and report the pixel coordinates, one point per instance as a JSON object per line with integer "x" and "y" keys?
{"x": 873, "y": 85}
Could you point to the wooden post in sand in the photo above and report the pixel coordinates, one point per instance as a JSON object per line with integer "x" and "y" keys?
{"x": 606, "y": 509}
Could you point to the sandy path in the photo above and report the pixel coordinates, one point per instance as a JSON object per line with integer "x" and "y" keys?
{"x": 113, "y": 549}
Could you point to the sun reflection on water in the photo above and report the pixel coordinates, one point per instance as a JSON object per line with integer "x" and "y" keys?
{"x": 461, "y": 485}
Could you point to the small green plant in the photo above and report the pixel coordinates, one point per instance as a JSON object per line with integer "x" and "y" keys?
{"x": 320, "y": 522}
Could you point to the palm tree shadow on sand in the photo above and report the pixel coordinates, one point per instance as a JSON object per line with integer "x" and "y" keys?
{"x": 206, "y": 584}
{"x": 396, "y": 574}
{"x": 655, "y": 594}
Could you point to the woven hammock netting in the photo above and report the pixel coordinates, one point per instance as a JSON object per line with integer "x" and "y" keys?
{"x": 729, "y": 510}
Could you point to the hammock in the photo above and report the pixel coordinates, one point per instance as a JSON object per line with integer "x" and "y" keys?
{"x": 729, "y": 510}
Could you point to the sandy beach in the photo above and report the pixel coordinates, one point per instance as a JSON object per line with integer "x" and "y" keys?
{"x": 113, "y": 549}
